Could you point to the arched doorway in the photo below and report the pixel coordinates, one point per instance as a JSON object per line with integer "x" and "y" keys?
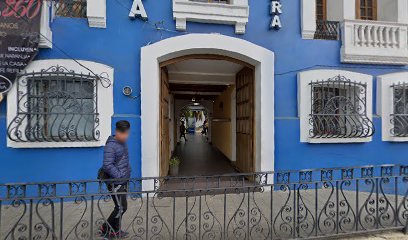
{"x": 154, "y": 56}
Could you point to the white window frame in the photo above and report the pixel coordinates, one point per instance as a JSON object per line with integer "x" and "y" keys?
{"x": 45, "y": 29}
{"x": 105, "y": 102}
{"x": 385, "y": 108}
{"x": 305, "y": 101}
{"x": 95, "y": 11}
{"x": 234, "y": 13}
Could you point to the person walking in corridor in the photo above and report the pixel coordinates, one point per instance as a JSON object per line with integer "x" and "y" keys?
{"x": 116, "y": 166}
{"x": 183, "y": 131}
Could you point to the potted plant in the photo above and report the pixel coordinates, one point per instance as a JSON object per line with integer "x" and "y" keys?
{"x": 174, "y": 165}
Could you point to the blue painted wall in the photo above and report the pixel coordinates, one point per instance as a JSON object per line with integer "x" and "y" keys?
{"x": 119, "y": 46}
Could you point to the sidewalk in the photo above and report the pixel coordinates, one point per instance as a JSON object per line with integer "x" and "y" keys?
{"x": 380, "y": 236}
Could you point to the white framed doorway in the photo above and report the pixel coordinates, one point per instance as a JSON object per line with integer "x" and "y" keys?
{"x": 263, "y": 61}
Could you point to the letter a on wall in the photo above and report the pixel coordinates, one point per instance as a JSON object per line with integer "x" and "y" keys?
{"x": 138, "y": 10}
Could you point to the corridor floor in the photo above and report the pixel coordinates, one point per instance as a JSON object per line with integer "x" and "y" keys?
{"x": 199, "y": 158}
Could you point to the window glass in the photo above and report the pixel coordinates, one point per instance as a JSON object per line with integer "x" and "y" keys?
{"x": 367, "y": 9}
{"x": 400, "y": 116}
{"x": 338, "y": 109}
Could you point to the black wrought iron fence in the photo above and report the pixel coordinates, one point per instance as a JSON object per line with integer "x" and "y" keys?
{"x": 284, "y": 205}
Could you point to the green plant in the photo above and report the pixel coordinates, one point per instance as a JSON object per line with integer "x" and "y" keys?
{"x": 174, "y": 161}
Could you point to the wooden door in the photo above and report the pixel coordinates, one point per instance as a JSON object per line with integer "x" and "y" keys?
{"x": 245, "y": 120}
{"x": 321, "y": 10}
{"x": 164, "y": 123}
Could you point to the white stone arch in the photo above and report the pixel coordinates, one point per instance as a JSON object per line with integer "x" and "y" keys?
{"x": 151, "y": 57}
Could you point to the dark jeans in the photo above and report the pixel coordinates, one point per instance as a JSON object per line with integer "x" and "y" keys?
{"x": 114, "y": 220}
{"x": 183, "y": 135}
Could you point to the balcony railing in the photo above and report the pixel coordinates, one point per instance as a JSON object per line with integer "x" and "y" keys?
{"x": 70, "y": 8}
{"x": 374, "y": 42}
{"x": 317, "y": 203}
{"x": 327, "y": 30}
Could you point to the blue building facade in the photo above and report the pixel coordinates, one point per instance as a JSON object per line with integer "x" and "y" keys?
{"x": 119, "y": 46}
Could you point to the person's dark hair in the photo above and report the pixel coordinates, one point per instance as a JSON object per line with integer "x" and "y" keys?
{"x": 122, "y": 126}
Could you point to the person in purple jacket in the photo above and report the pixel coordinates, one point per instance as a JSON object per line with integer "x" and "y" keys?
{"x": 116, "y": 166}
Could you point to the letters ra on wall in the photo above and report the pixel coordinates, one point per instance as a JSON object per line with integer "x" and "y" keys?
{"x": 276, "y": 11}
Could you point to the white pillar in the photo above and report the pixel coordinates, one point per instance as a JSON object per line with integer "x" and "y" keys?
{"x": 348, "y": 9}
{"x": 308, "y": 16}
{"x": 402, "y": 11}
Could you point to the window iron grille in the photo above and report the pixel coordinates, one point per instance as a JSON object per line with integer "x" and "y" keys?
{"x": 70, "y": 8}
{"x": 399, "y": 118}
{"x": 327, "y": 30}
{"x": 56, "y": 105}
{"x": 339, "y": 109}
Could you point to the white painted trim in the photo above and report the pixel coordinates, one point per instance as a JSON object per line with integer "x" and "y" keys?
{"x": 236, "y": 13}
{"x": 263, "y": 61}
{"x": 45, "y": 29}
{"x": 96, "y": 13}
{"x": 304, "y": 101}
{"x": 308, "y": 18}
{"x": 385, "y": 106}
{"x": 105, "y": 102}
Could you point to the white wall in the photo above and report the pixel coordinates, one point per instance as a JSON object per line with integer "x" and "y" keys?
{"x": 387, "y": 10}
{"x": 335, "y": 10}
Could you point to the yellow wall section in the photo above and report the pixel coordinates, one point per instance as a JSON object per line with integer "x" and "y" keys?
{"x": 221, "y": 130}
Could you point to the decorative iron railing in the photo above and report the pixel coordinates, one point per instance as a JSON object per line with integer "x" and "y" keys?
{"x": 70, "y": 8}
{"x": 339, "y": 109}
{"x": 55, "y": 105}
{"x": 327, "y": 30}
{"x": 299, "y": 204}
{"x": 399, "y": 118}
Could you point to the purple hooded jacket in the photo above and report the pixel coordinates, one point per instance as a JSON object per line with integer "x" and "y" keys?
{"x": 116, "y": 159}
